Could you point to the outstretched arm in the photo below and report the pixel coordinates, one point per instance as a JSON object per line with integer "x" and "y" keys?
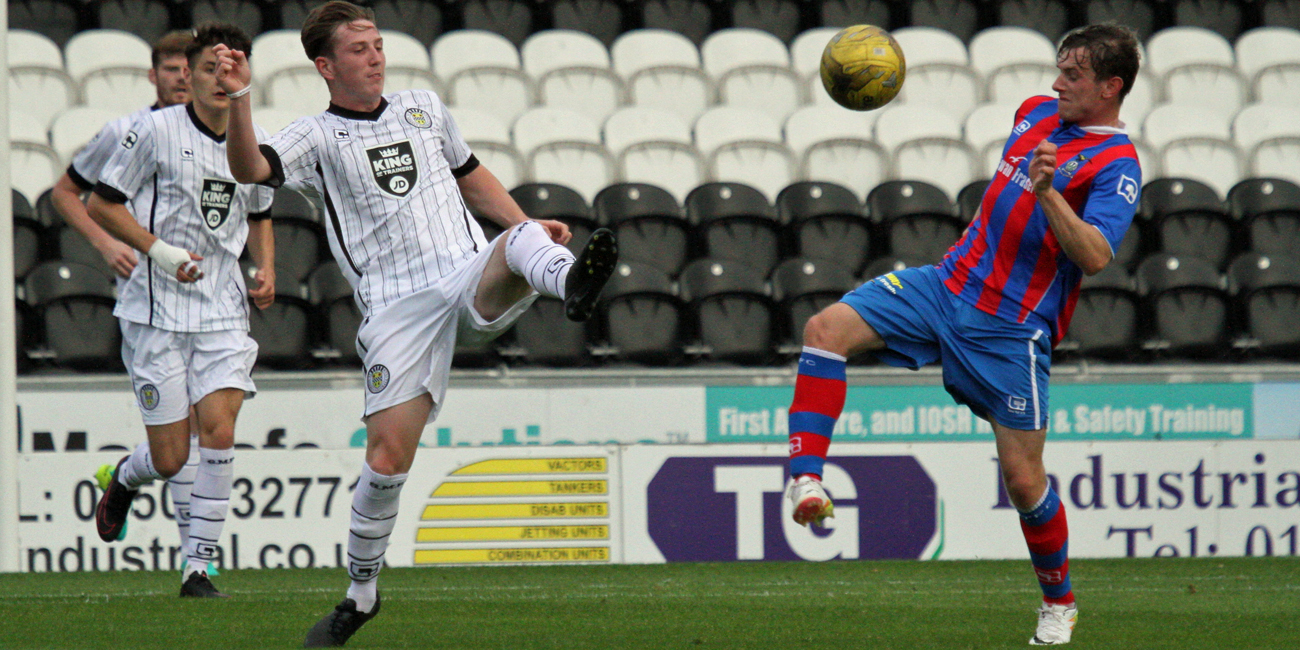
{"x": 66, "y": 196}
{"x": 488, "y": 197}
{"x": 247, "y": 163}
{"x": 1082, "y": 242}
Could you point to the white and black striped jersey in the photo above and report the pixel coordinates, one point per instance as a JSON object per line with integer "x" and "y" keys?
{"x": 88, "y": 163}
{"x": 173, "y": 169}
{"x": 397, "y": 221}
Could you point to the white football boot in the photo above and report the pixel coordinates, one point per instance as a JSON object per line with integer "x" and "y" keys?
{"x": 810, "y": 501}
{"x": 1055, "y": 624}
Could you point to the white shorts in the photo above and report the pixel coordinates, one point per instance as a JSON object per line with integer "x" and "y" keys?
{"x": 172, "y": 370}
{"x": 406, "y": 346}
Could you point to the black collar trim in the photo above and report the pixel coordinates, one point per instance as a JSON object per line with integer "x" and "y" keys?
{"x": 203, "y": 128}
{"x": 358, "y": 115}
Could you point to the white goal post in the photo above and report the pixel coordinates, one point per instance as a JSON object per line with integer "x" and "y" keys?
{"x": 8, "y": 347}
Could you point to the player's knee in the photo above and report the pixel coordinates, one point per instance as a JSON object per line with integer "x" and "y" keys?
{"x": 221, "y": 436}
{"x": 1023, "y": 487}
{"x": 169, "y": 465}
{"x": 821, "y": 333}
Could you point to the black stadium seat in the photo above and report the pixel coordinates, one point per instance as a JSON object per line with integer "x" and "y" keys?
{"x": 1268, "y": 213}
{"x": 691, "y": 18}
{"x": 28, "y": 244}
{"x": 545, "y": 336}
{"x": 74, "y": 308}
{"x": 283, "y": 331}
{"x": 856, "y": 12}
{"x": 1267, "y": 290}
{"x": 551, "y": 201}
{"x": 512, "y": 19}
{"x": 603, "y": 19}
{"x": 1106, "y": 321}
{"x": 1141, "y": 15}
{"x": 734, "y": 221}
{"x": 1051, "y": 17}
{"x": 825, "y": 220}
{"x": 74, "y": 247}
{"x": 247, "y": 15}
{"x": 803, "y": 286}
{"x": 1223, "y": 16}
{"x": 299, "y": 246}
{"x": 23, "y": 334}
{"x": 648, "y": 223}
{"x": 1186, "y": 304}
{"x": 915, "y": 219}
{"x": 969, "y": 200}
{"x": 778, "y": 17}
{"x": 644, "y": 319}
{"x": 337, "y": 316}
{"x": 148, "y": 19}
{"x": 961, "y": 17}
{"x": 1185, "y": 217}
{"x": 733, "y": 314}
{"x": 57, "y": 19}
{"x": 891, "y": 264}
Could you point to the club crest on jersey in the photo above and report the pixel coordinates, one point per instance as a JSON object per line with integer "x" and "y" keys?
{"x": 418, "y": 118}
{"x": 149, "y": 397}
{"x": 1067, "y": 170}
{"x": 393, "y": 166}
{"x": 215, "y": 201}
{"x": 377, "y": 378}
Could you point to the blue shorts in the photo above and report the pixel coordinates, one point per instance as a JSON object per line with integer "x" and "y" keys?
{"x": 996, "y": 367}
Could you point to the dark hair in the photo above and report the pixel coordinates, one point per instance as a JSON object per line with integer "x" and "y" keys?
{"x": 1112, "y": 52}
{"x": 319, "y": 27}
{"x": 171, "y": 44}
{"x": 209, "y": 34}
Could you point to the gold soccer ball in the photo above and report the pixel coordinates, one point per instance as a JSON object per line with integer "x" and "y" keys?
{"x": 863, "y": 67}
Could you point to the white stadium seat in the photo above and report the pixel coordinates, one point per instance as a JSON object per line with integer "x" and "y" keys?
{"x": 1277, "y": 158}
{"x": 654, "y": 146}
{"x": 745, "y": 145}
{"x": 276, "y": 50}
{"x": 489, "y": 138}
{"x": 1194, "y": 142}
{"x": 998, "y": 47}
{"x": 407, "y": 64}
{"x": 1259, "y": 122}
{"x": 28, "y": 48}
{"x": 926, "y": 144}
{"x": 111, "y": 69}
{"x": 953, "y": 88}
{"x": 571, "y": 69}
{"x": 806, "y": 50}
{"x": 27, "y": 129}
{"x": 481, "y": 70}
{"x": 836, "y": 144}
{"x": 73, "y": 128}
{"x": 1014, "y": 84}
{"x": 1170, "y": 122}
{"x": 121, "y": 89}
{"x": 300, "y": 90}
{"x": 564, "y": 146}
{"x": 986, "y": 130}
{"x": 272, "y": 120}
{"x": 662, "y": 70}
{"x": 1139, "y": 101}
{"x": 1269, "y": 59}
{"x": 1147, "y": 158}
{"x": 1178, "y": 46}
{"x": 1209, "y": 85}
{"x": 926, "y": 45}
{"x": 752, "y": 69}
{"x": 36, "y": 74}
{"x": 33, "y": 164}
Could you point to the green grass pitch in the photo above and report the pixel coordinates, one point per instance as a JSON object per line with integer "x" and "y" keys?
{"x": 1143, "y": 603}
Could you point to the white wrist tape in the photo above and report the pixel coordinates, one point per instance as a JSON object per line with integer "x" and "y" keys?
{"x": 241, "y": 92}
{"x": 169, "y": 257}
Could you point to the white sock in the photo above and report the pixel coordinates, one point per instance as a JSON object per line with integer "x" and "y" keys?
{"x": 532, "y": 255}
{"x": 180, "y": 487}
{"x": 209, "y": 501}
{"x": 138, "y": 469}
{"x": 374, "y": 512}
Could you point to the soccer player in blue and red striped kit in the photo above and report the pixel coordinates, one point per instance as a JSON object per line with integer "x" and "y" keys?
{"x": 1063, "y": 195}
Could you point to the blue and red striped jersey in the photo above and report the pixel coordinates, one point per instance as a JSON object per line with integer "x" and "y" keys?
{"x": 1009, "y": 263}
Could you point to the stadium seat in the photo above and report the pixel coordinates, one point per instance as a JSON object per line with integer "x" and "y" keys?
{"x": 735, "y": 221}
{"x": 1173, "y": 47}
{"x": 926, "y": 144}
{"x": 277, "y": 50}
{"x": 745, "y": 145}
{"x": 1278, "y": 82}
{"x": 1131, "y": 248}
{"x": 336, "y": 311}
{"x": 407, "y": 64}
{"x": 1222, "y": 16}
{"x": 489, "y": 139}
{"x": 1186, "y": 218}
{"x": 298, "y": 89}
{"x": 57, "y": 20}
{"x": 1267, "y": 290}
{"x": 781, "y": 18}
{"x": 299, "y": 246}
{"x": 915, "y": 219}
{"x": 969, "y": 200}
{"x": 654, "y": 146}
{"x": 1194, "y": 142}
{"x": 421, "y": 19}
{"x": 1264, "y": 48}
{"x": 1138, "y": 14}
{"x": 891, "y": 264}
{"x": 644, "y": 318}
{"x": 74, "y": 306}
{"x": 111, "y": 69}
{"x": 1259, "y": 122}
{"x": 938, "y": 71}
{"x": 273, "y": 120}
{"x": 960, "y": 17}
{"x": 601, "y": 18}
{"x": 33, "y": 168}
{"x": 571, "y": 69}
{"x": 1281, "y": 13}
{"x": 74, "y": 247}
{"x": 552, "y": 201}
{"x": 835, "y": 145}
{"x": 481, "y": 70}
{"x": 690, "y": 18}
{"x": 803, "y": 286}
{"x": 563, "y": 146}
{"x": 1106, "y": 322}
{"x": 28, "y": 243}
{"x": 843, "y": 13}
{"x": 244, "y": 14}
{"x": 986, "y": 130}
{"x": 826, "y": 221}
{"x": 806, "y": 51}
{"x": 283, "y": 331}
{"x": 929, "y": 45}
{"x": 751, "y": 63}
{"x": 512, "y": 19}
{"x": 1049, "y": 17}
{"x": 1186, "y": 304}
{"x": 650, "y": 225}
{"x": 1139, "y": 101}
{"x": 996, "y": 48}
{"x": 662, "y": 70}
{"x": 148, "y": 19}
{"x": 45, "y": 212}
{"x": 545, "y": 336}
{"x": 24, "y": 335}
{"x": 1208, "y": 85}
{"x": 733, "y": 313}
{"x": 1268, "y": 211}
{"x": 1276, "y": 157}
{"x": 36, "y": 74}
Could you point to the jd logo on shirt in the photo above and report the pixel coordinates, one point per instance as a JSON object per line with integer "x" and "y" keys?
{"x": 394, "y": 167}
{"x": 215, "y": 201}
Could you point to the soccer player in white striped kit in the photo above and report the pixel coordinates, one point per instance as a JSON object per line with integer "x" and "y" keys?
{"x": 397, "y": 181}
{"x": 184, "y": 313}
{"x": 168, "y": 75}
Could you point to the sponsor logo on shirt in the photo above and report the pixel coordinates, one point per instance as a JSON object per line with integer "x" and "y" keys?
{"x": 187, "y": 154}
{"x": 1127, "y": 188}
{"x": 129, "y": 141}
{"x": 215, "y": 201}
{"x": 1022, "y": 127}
{"x": 393, "y": 166}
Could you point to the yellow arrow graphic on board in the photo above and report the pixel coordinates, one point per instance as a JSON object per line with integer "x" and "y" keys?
{"x": 521, "y": 488}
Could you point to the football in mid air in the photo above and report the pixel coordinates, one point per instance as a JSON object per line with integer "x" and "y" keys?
{"x": 863, "y": 67}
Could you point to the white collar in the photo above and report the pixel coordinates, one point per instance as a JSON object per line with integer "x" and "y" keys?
{"x": 1106, "y": 130}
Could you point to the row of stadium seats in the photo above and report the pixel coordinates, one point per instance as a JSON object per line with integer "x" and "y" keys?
{"x": 606, "y": 19}
{"x": 903, "y": 219}
{"x": 717, "y": 310}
